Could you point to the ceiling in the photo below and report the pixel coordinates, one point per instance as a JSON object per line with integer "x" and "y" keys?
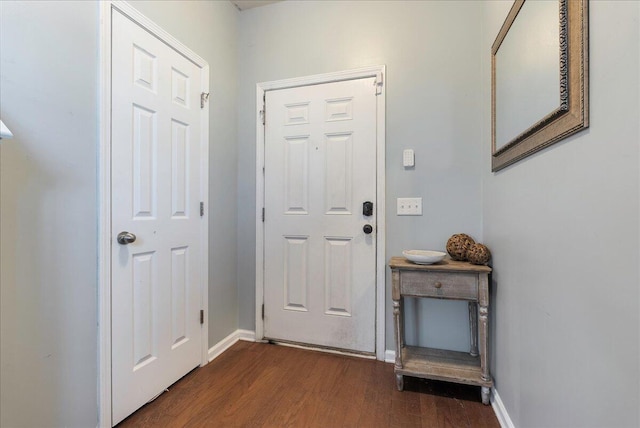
{"x": 248, "y": 4}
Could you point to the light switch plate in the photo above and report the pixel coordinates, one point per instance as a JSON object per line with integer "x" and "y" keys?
{"x": 409, "y": 206}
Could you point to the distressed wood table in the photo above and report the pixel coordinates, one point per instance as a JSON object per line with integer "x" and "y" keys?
{"x": 452, "y": 280}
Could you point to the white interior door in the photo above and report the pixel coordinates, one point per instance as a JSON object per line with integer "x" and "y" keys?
{"x": 156, "y": 193}
{"x": 320, "y": 168}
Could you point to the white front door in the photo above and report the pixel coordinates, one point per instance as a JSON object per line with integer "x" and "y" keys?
{"x": 320, "y": 168}
{"x": 156, "y": 193}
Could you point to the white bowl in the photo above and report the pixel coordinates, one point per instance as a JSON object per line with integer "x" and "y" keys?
{"x": 424, "y": 257}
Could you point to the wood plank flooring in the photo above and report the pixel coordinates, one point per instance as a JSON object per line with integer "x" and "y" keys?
{"x": 262, "y": 385}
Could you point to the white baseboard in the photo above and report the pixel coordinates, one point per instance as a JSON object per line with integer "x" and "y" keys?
{"x": 246, "y": 335}
{"x": 389, "y": 356}
{"x": 500, "y": 411}
{"x": 227, "y": 342}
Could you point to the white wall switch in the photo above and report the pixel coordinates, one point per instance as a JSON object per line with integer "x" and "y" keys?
{"x": 408, "y": 158}
{"x": 409, "y": 206}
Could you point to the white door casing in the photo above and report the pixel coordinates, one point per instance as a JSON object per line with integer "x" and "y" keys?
{"x": 322, "y": 159}
{"x": 158, "y": 179}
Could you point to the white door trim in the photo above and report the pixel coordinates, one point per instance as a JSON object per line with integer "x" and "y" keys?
{"x": 104, "y": 191}
{"x": 374, "y": 71}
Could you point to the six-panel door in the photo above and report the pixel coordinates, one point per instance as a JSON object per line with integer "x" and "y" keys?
{"x": 156, "y": 182}
{"x": 320, "y": 168}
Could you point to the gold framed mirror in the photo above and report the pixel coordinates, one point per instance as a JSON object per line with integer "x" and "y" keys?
{"x": 539, "y": 78}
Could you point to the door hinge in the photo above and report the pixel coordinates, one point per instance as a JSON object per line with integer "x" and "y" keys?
{"x": 204, "y": 97}
{"x": 263, "y": 112}
{"x": 378, "y": 83}
{"x": 263, "y": 311}
{"x": 201, "y": 209}
{"x": 201, "y": 316}
{"x": 263, "y": 214}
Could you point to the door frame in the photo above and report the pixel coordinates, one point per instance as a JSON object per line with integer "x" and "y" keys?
{"x": 107, "y": 8}
{"x": 378, "y": 72}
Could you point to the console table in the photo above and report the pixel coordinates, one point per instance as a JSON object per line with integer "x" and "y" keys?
{"x": 448, "y": 279}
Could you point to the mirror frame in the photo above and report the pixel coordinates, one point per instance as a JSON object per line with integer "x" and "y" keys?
{"x": 572, "y": 115}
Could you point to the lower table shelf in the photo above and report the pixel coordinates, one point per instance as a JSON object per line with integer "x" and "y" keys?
{"x": 439, "y": 364}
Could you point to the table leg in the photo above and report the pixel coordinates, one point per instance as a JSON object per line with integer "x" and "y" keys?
{"x": 398, "y": 333}
{"x": 483, "y": 310}
{"x": 473, "y": 328}
{"x": 399, "y": 381}
{"x": 485, "y": 394}
{"x": 402, "y": 325}
{"x": 397, "y": 323}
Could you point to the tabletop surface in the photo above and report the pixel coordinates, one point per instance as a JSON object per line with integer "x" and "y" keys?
{"x": 446, "y": 265}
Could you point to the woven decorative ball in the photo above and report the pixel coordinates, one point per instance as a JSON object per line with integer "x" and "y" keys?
{"x": 458, "y": 245}
{"x": 478, "y": 254}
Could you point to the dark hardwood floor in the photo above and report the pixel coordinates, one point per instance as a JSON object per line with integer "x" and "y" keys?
{"x": 262, "y": 385}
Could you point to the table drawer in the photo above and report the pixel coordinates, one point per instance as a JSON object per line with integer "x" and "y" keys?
{"x": 435, "y": 284}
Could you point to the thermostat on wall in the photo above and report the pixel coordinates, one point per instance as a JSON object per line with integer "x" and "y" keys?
{"x": 408, "y": 158}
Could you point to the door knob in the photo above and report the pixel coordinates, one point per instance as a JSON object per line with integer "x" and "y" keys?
{"x": 367, "y": 229}
{"x": 125, "y": 238}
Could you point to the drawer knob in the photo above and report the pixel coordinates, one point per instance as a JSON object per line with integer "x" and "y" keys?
{"x": 437, "y": 284}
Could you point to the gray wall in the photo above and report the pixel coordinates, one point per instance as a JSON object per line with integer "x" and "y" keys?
{"x": 563, "y": 228}
{"x": 48, "y": 214}
{"x": 48, "y": 210}
{"x": 431, "y": 50}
